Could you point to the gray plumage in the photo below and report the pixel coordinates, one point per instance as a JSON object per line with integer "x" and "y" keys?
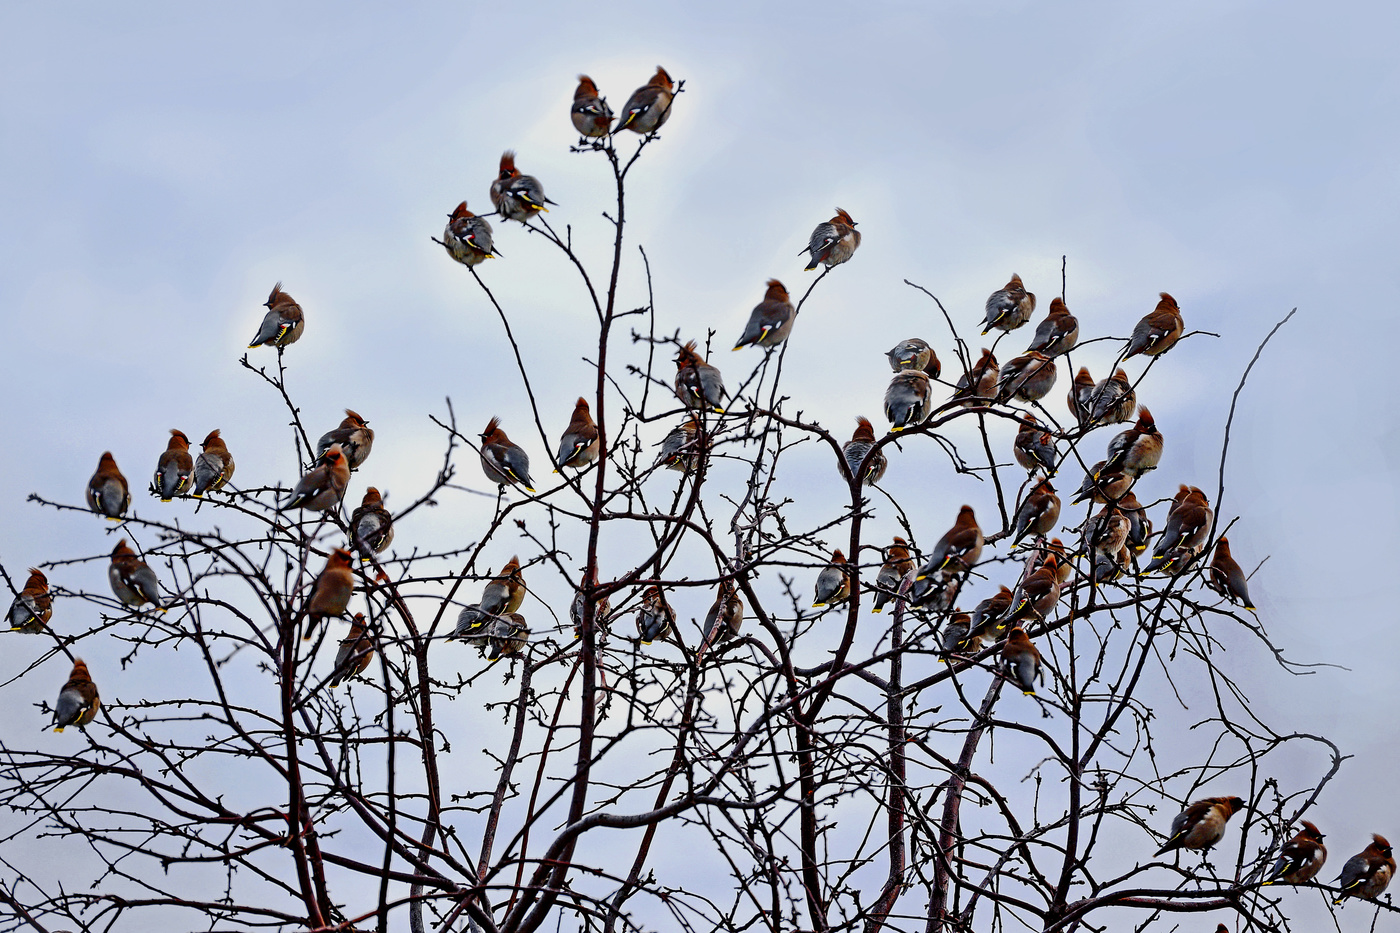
{"x": 467, "y": 237}
{"x": 354, "y": 436}
{"x": 209, "y": 467}
{"x": 472, "y": 625}
{"x": 771, "y": 320}
{"x": 69, "y": 707}
{"x": 1009, "y": 307}
{"x": 134, "y": 585}
{"x": 914, "y": 353}
{"x": 907, "y": 400}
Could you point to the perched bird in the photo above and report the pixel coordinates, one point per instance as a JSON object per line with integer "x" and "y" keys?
{"x": 957, "y": 637}
{"x": 330, "y": 596}
{"x": 1009, "y": 307}
{"x": 213, "y": 468}
{"x": 77, "y": 702}
{"x": 1081, "y": 398}
{"x": 1367, "y": 873}
{"x": 282, "y": 324}
{"x": 1226, "y": 577}
{"x": 987, "y": 615}
{"x": 771, "y": 320}
{"x": 472, "y": 625}
{"x": 356, "y": 651}
{"x": 908, "y": 400}
{"x": 323, "y": 485}
{"x": 915, "y": 353}
{"x": 1064, "y": 570}
{"x": 1029, "y": 377}
{"x": 1301, "y": 857}
{"x": 937, "y": 589}
{"x": 1109, "y": 566}
{"x": 834, "y": 582}
{"x": 467, "y": 237}
{"x": 1035, "y": 447}
{"x": 502, "y": 461}
{"x": 579, "y": 445}
{"x": 698, "y": 384}
{"x": 1159, "y": 331}
{"x": 516, "y": 196}
{"x": 833, "y": 242}
{"x": 1113, "y": 401}
{"x": 1037, "y": 597}
{"x": 1202, "y": 824}
{"x": 602, "y": 605}
{"x": 649, "y": 106}
{"x": 132, "y": 581}
{"x": 1102, "y": 484}
{"x": 1058, "y": 333}
{"x": 978, "y": 386}
{"x": 355, "y": 437}
{"x": 897, "y": 565}
{"x": 1106, "y": 531}
{"x": 1037, "y": 513}
{"x": 33, "y": 607}
{"x": 1020, "y": 660}
{"x": 1188, "y": 526}
{"x": 174, "y": 469}
{"x": 371, "y": 525}
{"x": 1137, "y": 450}
{"x": 107, "y": 492}
{"x": 959, "y": 547}
{"x": 505, "y": 592}
{"x": 590, "y": 112}
{"x": 723, "y": 620}
{"x": 858, "y": 451}
{"x": 655, "y": 618}
{"x": 507, "y": 635}
{"x": 680, "y": 449}
{"x": 1139, "y": 525}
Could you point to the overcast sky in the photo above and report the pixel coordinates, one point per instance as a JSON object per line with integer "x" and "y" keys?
{"x": 164, "y": 165}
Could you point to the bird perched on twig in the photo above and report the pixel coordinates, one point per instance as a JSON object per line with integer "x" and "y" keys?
{"x": 833, "y": 242}
{"x": 1009, "y": 307}
{"x": 472, "y": 626}
{"x": 355, "y": 653}
{"x": 1034, "y": 447}
{"x": 107, "y": 491}
{"x": 987, "y": 615}
{"x": 959, "y": 547}
{"x": 323, "y": 485}
{"x": 908, "y": 400}
{"x": 467, "y": 237}
{"x": 579, "y": 445}
{"x": 1028, "y": 377}
{"x": 1186, "y": 530}
{"x": 649, "y": 106}
{"x": 282, "y": 324}
{"x": 915, "y": 353}
{"x": 655, "y": 618}
{"x": 1159, "y": 331}
{"x": 1367, "y": 873}
{"x": 1226, "y": 577}
{"x": 175, "y": 468}
{"x": 330, "y": 596}
{"x": 355, "y": 437}
{"x": 1301, "y": 857}
{"x": 516, "y": 196}
{"x": 978, "y": 386}
{"x": 723, "y": 620}
{"x": 1113, "y": 401}
{"x": 1038, "y": 595}
{"x": 1058, "y": 333}
{"x": 371, "y": 525}
{"x": 132, "y": 581}
{"x": 680, "y": 449}
{"x": 771, "y": 320}
{"x": 834, "y": 582}
{"x": 77, "y": 702}
{"x": 503, "y": 462}
{"x": 507, "y": 635}
{"x": 1202, "y": 824}
{"x": 1020, "y": 660}
{"x": 698, "y": 384}
{"x": 860, "y": 450}
{"x": 505, "y": 591}
{"x": 602, "y": 605}
{"x": 1103, "y": 485}
{"x": 213, "y": 468}
{"x": 897, "y": 565}
{"x": 33, "y": 606}
{"x": 590, "y": 113}
{"x": 1037, "y": 513}
{"x": 1137, "y": 450}
{"x": 1081, "y": 398}
{"x": 957, "y": 636}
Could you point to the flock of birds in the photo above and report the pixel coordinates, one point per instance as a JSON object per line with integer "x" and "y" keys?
{"x": 1110, "y": 538}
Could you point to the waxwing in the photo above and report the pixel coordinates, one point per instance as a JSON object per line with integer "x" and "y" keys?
{"x": 1159, "y": 331}
{"x": 1103, "y": 485}
{"x": 354, "y": 436}
{"x": 507, "y": 635}
{"x": 908, "y": 400}
{"x": 858, "y": 448}
{"x": 175, "y": 468}
{"x": 655, "y": 618}
{"x": 282, "y": 324}
{"x": 1037, "y": 597}
{"x": 834, "y": 582}
{"x": 502, "y": 461}
{"x": 590, "y": 113}
{"x": 1009, "y": 307}
{"x": 1106, "y": 531}
{"x": 680, "y": 449}
{"x": 978, "y": 386}
{"x": 330, "y": 596}
{"x": 602, "y": 605}
{"x": 1109, "y": 566}
{"x": 1037, "y": 513}
{"x": 649, "y": 106}
{"x": 698, "y": 384}
{"x": 988, "y": 614}
{"x": 1058, "y": 333}
{"x": 897, "y": 565}
{"x": 1367, "y": 873}
{"x": 723, "y": 620}
{"x": 1081, "y": 398}
{"x": 1301, "y": 858}
{"x": 107, "y": 492}
{"x": 213, "y": 468}
{"x": 1064, "y": 570}
{"x": 371, "y": 525}
{"x": 506, "y": 591}
{"x": 356, "y": 651}
{"x": 833, "y": 242}
{"x": 1028, "y": 377}
{"x": 77, "y": 702}
{"x": 771, "y": 320}
{"x": 467, "y": 237}
{"x": 579, "y": 445}
{"x": 1136, "y": 450}
{"x": 959, "y": 548}
{"x": 915, "y": 353}
{"x": 1035, "y": 447}
{"x": 1113, "y": 401}
{"x": 323, "y": 485}
{"x": 33, "y": 607}
{"x": 1202, "y": 824}
{"x": 1226, "y": 577}
{"x": 472, "y": 625}
{"x": 1188, "y": 526}
{"x": 937, "y": 589}
{"x": 1020, "y": 660}
{"x": 516, "y": 196}
{"x": 132, "y": 581}
{"x": 957, "y": 637}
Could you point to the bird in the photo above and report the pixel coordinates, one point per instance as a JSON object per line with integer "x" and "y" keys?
{"x": 1081, "y": 398}
{"x": 323, "y": 485}
{"x": 655, "y": 618}
{"x": 1109, "y": 566}
{"x": 132, "y": 581}
{"x": 1367, "y": 873}
{"x": 1038, "y": 595}
{"x": 1137, "y": 450}
{"x": 1020, "y": 660}
{"x": 1028, "y": 377}
{"x": 1034, "y": 447}
{"x": 77, "y": 702}
{"x": 356, "y": 651}
{"x": 988, "y": 614}
{"x": 33, "y": 606}
{"x": 771, "y": 320}
{"x": 507, "y": 635}
{"x": 590, "y": 112}
{"x": 1106, "y": 531}
{"x": 698, "y": 384}
{"x": 355, "y": 437}
{"x": 282, "y": 324}
{"x": 860, "y": 449}
{"x": 1159, "y": 331}
{"x": 602, "y": 605}
{"x": 1139, "y": 525}
{"x": 1103, "y": 485}
{"x": 213, "y": 468}
{"x": 579, "y": 445}
{"x": 502, "y": 461}
{"x": 680, "y": 449}
{"x": 330, "y": 595}
{"x": 915, "y": 353}
{"x": 897, "y": 565}
{"x": 649, "y": 106}
{"x": 959, "y": 548}
{"x": 833, "y": 242}
{"x": 174, "y": 469}
{"x": 107, "y": 492}
{"x": 978, "y": 386}
{"x": 371, "y": 525}
{"x": 1058, "y": 333}
{"x": 1113, "y": 401}
{"x": 1037, "y": 513}
{"x": 937, "y": 589}
{"x": 1301, "y": 857}
{"x": 472, "y": 625}
{"x": 723, "y": 620}
{"x": 516, "y": 196}
{"x": 908, "y": 400}
{"x": 467, "y": 237}
{"x": 956, "y": 636}
{"x": 1064, "y": 570}
{"x": 1188, "y": 526}
{"x": 1009, "y": 307}
{"x": 834, "y": 582}
{"x": 1226, "y": 577}
{"x": 1202, "y": 824}
{"x": 505, "y": 591}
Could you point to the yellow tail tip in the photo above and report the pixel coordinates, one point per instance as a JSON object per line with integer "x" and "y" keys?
{"x": 60, "y": 729}
{"x": 818, "y": 605}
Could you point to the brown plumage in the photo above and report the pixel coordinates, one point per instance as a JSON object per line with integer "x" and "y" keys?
{"x": 579, "y": 445}
{"x": 77, "y": 702}
{"x": 978, "y": 386}
{"x": 897, "y": 565}
{"x": 590, "y": 113}
{"x": 1136, "y": 450}
{"x": 371, "y": 525}
{"x": 655, "y": 618}
{"x": 1202, "y": 824}
{"x": 1058, "y": 333}
{"x": 602, "y": 605}
{"x": 649, "y": 106}
{"x": 354, "y": 436}
{"x": 1301, "y": 858}
{"x": 680, "y": 449}
{"x": 959, "y": 548}
{"x": 1081, "y": 398}
{"x": 1037, "y": 513}
{"x": 214, "y": 467}
{"x": 698, "y": 384}
{"x": 989, "y": 614}
{"x": 858, "y": 451}
{"x": 834, "y": 582}
{"x": 1227, "y": 578}
{"x": 502, "y": 460}
{"x": 506, "y": 635}
{"x": 132, "y": 581}
{"x": 107, "y": 491}
{"x": 1037, "y": 597}
{"x": 771, "y": 320}
{"x": 1113, "y": 401}
{"x": 1009, "y": 307}
{"x": 323, "y": 485}
{"x": 833, "y": 242}
{"x": 1029, "y": 377}
{"x": 33, "y": 607}
{"x": 723, "y": 620}
{"x": 506, "y": 591}
{"x": 1159, "y": 331}
{"x": 1021, "y": 660}
{"x": 1367, "y": 873}
{"x": 356, "y": 651}
{"x": 331, "y": 594}
{"x": 1035, "y": 447}
{"x": 282, "y": 325}
{"x": 175, "y": 468}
